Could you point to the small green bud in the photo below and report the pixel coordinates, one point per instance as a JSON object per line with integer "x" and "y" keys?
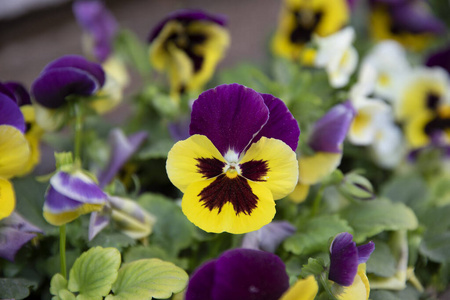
{"x": 356, "y": 186}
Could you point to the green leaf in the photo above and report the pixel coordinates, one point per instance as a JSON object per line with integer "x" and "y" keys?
{"x": 172, "y": 230}
{"x": 315, "y": 234}
{"x": 372, "y": 217}
{"x": 382, "y": 262}
{"x": 129, "y": 46}
{"x": 158, "y": 149}
{"x": 57, "y": 284}
{"x": 15, "y": 288}
{"x": 147, "y": 278}
{"x": 383, "y": 295}
{"x": 313, "y": 267}
{"x": 410, "y": 190}
{"x": 94, "y": 272}
{"x": 436, "y": 247}
{"x": 112, "y": 239}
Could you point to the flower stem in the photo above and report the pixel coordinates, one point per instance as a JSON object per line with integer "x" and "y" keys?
{"x": 317, "y": 200}
{"x": 78, "y": 131}
{"x": 62, "y": 249}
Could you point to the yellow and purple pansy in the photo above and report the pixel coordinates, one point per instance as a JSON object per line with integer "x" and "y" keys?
{"x": 239, "y": 159}
{"x": 70, "y": 75}
{"x": 14, "y": 149}
{"x": 188, "y": 44}
{"x": 409, "y": 22}
{"x": 70, "y": 195}
{"x": 300, "y": 20}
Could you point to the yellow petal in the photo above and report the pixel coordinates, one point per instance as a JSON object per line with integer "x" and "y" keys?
{"x": 7, "y": 198}
{"x": 14, "y": 151}
{"x": 282, "y": 176}
{"x": 300, "y": 193}
{"x": 316, "y": 167}
{"x": 69, "y": 216}
{"x": 360, "y": 289}
{"x": 182, "y": 161}
{"x": 303, "y": 289}
{"x": 227, "y": 219}
{"x": 414, "y": 129}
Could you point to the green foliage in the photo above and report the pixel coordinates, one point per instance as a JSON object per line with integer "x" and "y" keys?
{"x": 315, "y": 235}
{"x": 94, "y": 272}
{"x": 147, "y": 278}
{"x": 372, "y": 217}
{"x": 382, "y": 262}
{"x": 409, "y": 189}
{"x": 129, "y": 47}
{"x": 15, "y": 288}
{"x": 314, "y": 267}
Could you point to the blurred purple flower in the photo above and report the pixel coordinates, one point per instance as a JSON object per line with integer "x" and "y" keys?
{"x": 10, "y": 113}
{"x": 239, "y": 274}
{"x": 19, "y": 92}
{"x": 345, "y": 258}
{"x": 440, "y": 58}
{"x": 269, "y": 237}
{"x": 68, "y": 75}
{"x": 15, "y": 232}
{"x": 99, "y": 23}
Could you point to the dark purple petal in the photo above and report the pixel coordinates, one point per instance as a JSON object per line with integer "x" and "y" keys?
{"x": 97, "y": 223}
{"x": 10, "y": 113}
{"x": 201, "y": 282}
{"x": 94, "y": 18}
{"x": 53, "y": 86}
{"x": 122, "y": 148}
{"x": 364, "y": 252}
{"x": 56, "y": 202}
{"x": 78, "y": 187}
{"x": 20, "y": 92}
{"x": 440, "y": 58}
{"x": 81, "y": 63}
{"x": 249, "y": 274}
{"x": 6, "y": 91}
{"x": 281, "y": 124}
{"x": 414, "y": 16}
{"x": 269, "y": 237}
{"x": 11, "y": 240}
{"x": 329, "y": 131}
{"x": 16, "y": 221}
{"x": 229, "y": 115}
{"x": 186, "y": 16}
{"x": 343, "y": 259}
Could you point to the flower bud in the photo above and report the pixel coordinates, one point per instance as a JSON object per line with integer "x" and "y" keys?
{"x": 357, "y": 187}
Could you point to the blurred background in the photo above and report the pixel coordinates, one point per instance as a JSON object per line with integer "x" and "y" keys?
{"x": 35, "y": 32}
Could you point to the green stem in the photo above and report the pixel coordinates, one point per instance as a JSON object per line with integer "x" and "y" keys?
{"x": 326, "y": 285}
{"x": 62, "y": 249}
{"x": 317, "y": 201}
{"x": 78, "y": 131}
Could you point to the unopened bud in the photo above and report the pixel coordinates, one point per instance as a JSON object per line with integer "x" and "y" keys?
{"x": 357, "y": 187}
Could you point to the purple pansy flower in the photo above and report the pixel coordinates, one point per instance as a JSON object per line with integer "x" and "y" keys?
{"x": 71, "y": 195}
{"x": 9, "y": 109}
{"x": 329, "y": 132}
{"x": 15, "y": 232}
{"x": 269, "y": 237}
{"x": 68, "y": 75}
{"x": 239, "y": 274}
{"x": 345, "y": 257}
{"x": 19, "y": 92}
{"x": 239, "y": 159}
{"x": 99, "y": 23}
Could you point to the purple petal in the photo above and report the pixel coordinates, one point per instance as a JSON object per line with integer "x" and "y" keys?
{"x": 415, "y": 17}
{"x": 364, "y": 252}
{"x": 329, "y": 132}
{"x": 186, "y": 16}
{"x": 201, "y": 282}
{"x": 269, "y": 237}
{"x": 281, "y": 124}
{"x": 11, "y": 240}
{"x": 16, "y": 221}
{"x": 56, "y": 202}
{"x": 10, "y": 113}
{"x": 440, "y": 58}
{"x": 20, "y": 92}
{"x": 78, "y": 187}
{"x": 81, "y": 63}
{"x": 122, "y": 148}
{"x": 53, "y": 86}
{"x": 249, "y": 274}
{"x": 229, "y": 115}
{"x": 97, "y": 223}
{"x": 100, "y": 23}
{"x": 343, "y": 259}
{"x": 179, "y": 130}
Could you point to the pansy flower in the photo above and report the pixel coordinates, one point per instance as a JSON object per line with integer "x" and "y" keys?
{"x": 409, "y": 22}
{"x": 301, "y": 19}
{"x": 268, "y": 237}
{"x": 239, "y": 274}
{"x": 100, "y": 28}
{"x": 239, "y": 159}
{"x": 14, "y": 149}
{"x": 71, "y": 194}
{"x": 70, "y": 75}
{"x": 33, "y": 132}
{"x": 326, "y": 140}
{"x": 188, "y": 44}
